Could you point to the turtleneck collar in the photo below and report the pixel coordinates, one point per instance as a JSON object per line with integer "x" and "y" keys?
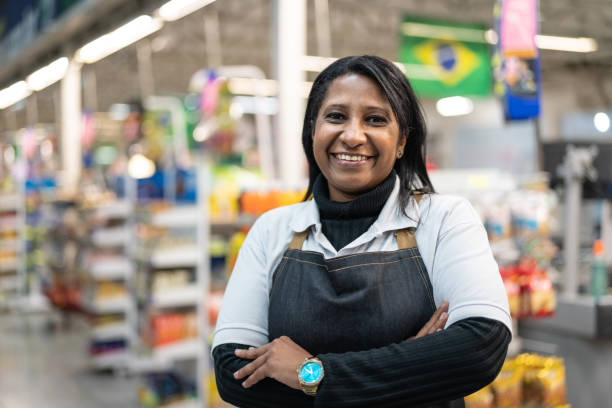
{"x": 368, "y": 204}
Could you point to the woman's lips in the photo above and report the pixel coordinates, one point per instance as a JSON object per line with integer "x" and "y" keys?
{"x": 342, "y": 160}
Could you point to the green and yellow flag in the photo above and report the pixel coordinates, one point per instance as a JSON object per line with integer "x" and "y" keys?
{"x": 446, "y": 59}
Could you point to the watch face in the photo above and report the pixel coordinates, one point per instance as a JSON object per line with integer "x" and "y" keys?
{"x": 311, "y": 372}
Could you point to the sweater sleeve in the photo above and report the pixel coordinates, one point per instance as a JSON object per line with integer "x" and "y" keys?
{"x": 467, "y": 356}
{"x": 439, "y": 367}
{"x": 267, "y": 393}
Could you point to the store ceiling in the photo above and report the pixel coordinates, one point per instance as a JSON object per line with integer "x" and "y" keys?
{"x": 575, "y": 18}
{"x": 246, "y": 32}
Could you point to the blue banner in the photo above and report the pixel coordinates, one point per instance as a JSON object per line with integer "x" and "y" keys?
{"x": 517, "y": 71}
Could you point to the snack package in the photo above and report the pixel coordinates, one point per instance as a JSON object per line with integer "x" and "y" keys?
{"x": 482, "y": 398}
{"x": 513, "y": 289}
{"x": 508, "y": 386}
{"x": 543, "y": 381}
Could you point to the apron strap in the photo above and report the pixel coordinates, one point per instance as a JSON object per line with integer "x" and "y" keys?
{"x": 298, "y": 239}
{"x": 405, "y": 237}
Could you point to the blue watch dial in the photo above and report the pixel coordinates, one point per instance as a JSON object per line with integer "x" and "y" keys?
{"x": 311, "y": 372}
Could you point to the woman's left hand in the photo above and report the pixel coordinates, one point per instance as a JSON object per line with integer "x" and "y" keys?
{"x": 278, "y": 359}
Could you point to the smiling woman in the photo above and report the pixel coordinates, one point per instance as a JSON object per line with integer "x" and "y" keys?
{"x": 374, "y": 291}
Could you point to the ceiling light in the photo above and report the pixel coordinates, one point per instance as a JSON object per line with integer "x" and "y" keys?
{"x": 175, "y": 9}
{"x": 48, "y": 75}
{"x": 571, "y": 44}
{"x": 14, "y": 93}
{"x": 123, "y": 36}
{"x": 140, "y": 167}
{"x": 601, "y": 121}
{"x": 454, "y": 106}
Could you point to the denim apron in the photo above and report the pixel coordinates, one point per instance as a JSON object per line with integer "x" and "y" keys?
{"x": 353, "y": 302}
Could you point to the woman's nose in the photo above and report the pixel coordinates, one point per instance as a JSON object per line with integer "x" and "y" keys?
{"x": 354, "y": 134}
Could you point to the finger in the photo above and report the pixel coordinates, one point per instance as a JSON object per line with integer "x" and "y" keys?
{"x": 252, "y": 352}
{"x": 256, "y": 377}
{"x": 439, "y": 324}
{"x": 250, "y": 368}
{"x": 431, "y": 323}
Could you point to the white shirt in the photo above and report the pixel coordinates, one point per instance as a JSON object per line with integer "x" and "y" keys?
{"x": 450, "y": 236}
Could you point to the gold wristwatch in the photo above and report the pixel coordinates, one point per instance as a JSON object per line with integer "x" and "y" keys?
{"x": 310, "y": 374}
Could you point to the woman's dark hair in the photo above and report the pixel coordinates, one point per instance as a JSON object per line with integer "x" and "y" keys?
{"x": 394, "y": 84}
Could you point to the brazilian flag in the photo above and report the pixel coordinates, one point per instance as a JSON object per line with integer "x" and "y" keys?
{"x": 445, "y": 59}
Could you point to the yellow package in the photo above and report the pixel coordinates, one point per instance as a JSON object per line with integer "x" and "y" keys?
{"x": 482, "y": 398}
{"x": 508, "y": 386}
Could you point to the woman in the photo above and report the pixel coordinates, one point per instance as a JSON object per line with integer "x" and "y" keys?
{"x": 342, "y": 300}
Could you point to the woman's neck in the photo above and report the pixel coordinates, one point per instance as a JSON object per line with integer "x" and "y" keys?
{"x": 367, "y": 204}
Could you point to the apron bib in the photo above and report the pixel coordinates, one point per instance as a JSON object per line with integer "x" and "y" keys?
{"x": 353, "y": 302}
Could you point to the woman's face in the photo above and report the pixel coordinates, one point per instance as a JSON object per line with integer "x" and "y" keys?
{"x": 356, "y": 137}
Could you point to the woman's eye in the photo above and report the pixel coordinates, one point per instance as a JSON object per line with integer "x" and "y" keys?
{"x": 377, "y": 120}
{"x": 335, "y": 116}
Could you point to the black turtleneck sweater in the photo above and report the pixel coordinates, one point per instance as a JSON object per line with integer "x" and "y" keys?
{"x": 417, "y": 373}
{"x": 343, "y": 222}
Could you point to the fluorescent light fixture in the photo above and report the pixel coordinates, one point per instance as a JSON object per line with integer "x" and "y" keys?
{"x": 121, "y": 37}
{"x": 454, "y": 106}
{"x": 601, "y": 121}
{"x": 48, "y": 75}
{"x": 551, "y": 42}
{"x": 175, "y": 9}
{"x": 14, "y": 93}
{"x": 140, "y": 167}
{"x": 570, "y": 44}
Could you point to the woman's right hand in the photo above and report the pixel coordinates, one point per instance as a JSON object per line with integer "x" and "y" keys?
{"x": 436, "y": 323}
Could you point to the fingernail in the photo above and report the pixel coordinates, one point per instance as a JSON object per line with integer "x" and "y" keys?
{"x": 236, "y": 374}
{"x": 443, "y": 316}
{"x": 251, "y": 348}
{"x": 244, "y": 385}
{"x": 439, "y": 330}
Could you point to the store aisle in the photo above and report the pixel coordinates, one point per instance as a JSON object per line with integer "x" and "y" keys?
{"x": 41, "y": 368}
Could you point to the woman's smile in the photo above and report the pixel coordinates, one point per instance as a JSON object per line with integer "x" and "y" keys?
{"x": 350, "y": 160}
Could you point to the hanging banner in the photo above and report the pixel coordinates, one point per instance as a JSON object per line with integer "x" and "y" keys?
{"x": 516, "y": 60}
{"x": 445, "y": 59}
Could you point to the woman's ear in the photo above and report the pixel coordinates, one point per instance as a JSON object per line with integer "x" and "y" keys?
{"x": 401, "y": 145}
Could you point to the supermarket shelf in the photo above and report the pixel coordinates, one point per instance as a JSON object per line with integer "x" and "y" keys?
{"x": 9, "y": 283}
{"x": 9, "y": 244}
{"x": 183, "y": 350}
{"x": 243, "y": 221}
{"x": 189, "y": 403}
{"x": 9, "y": 203}
{"x": 110, "y": 237}
{"x": 110, "y": 305}
{"x": 111, "y": 359}
{"x": 8, "y": 224}
{"x": 8, "y": 267}
{"x": 118, "y": 209}
{"x": 111, "y": 331}
{"x": 176, "y": 217}
{"x": 174, "y": 257}
{"x": 111, "y": 268}
{"x": 178, "y": 297}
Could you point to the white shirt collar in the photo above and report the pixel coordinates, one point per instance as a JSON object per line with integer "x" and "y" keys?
{"x": 391, "y": 217}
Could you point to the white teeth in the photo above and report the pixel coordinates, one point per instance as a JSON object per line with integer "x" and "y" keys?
{"x": 350, "y": 157}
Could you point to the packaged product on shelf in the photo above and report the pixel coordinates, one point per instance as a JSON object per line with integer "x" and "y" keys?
{"x": 508, "y": 386}
{"x": 543, "y": 381}
{"x": 513, "y": 289}
{"x": 235, "y": 243}
{"x": 537, "y": 293}
{"x": 165, "y": 388}
{"x": 482, "y": 398}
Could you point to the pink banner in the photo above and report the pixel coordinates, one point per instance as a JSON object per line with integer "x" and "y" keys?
{"x": 519, "y": 27}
